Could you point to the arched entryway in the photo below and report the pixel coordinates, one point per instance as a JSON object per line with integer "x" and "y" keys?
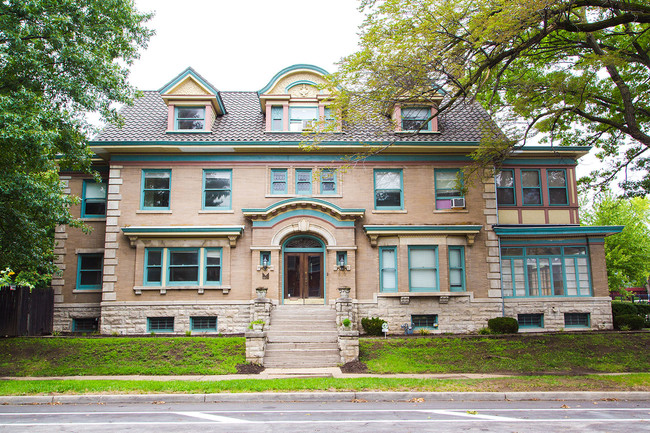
{"x": 303, "y": 268}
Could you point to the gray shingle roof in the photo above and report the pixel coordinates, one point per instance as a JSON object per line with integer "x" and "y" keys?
{"x": 146, "y": 121}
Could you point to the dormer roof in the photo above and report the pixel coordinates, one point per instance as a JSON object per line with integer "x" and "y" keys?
{"x": 189, "y": 85}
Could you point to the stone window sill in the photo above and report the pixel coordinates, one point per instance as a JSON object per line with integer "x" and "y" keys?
{"x": 451, "y": 211}
{"x": 163, "y": 289}
{"x": 150, "y": 211}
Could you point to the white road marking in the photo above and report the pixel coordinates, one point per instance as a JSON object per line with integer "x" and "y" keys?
{"x": 471, "y": 415}
{"x": 223, "y": 419}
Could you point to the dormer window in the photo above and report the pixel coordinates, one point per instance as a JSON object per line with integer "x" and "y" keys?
{"x": 414, "y": 117}
{"x": 189, "y": 118}
{"x": 302, "y": 118}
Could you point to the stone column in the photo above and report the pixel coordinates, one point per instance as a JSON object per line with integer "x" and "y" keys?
{"x": 491, "y": 239}
{"x": 349, "y": 346}
{"x": 255, "y": 346}
{"x": 345, "y": 308}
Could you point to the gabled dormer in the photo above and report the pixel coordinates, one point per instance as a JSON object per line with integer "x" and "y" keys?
{"x": 409, "y": 113}
{"x": 193, "y": 103}
{"x": 292, "y": 101}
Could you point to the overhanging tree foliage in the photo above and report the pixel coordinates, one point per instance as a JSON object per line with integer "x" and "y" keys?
{"x": 576, "y": 70}
{"x": 59, "y": 60}
{"x": 627, "y": 254}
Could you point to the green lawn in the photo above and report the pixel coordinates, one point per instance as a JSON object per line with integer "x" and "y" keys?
{"x": 522, "y": 354}
{"x": 119, "y": 356}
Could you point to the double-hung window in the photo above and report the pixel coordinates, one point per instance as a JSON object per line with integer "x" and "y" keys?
{"x": 388, "y": 269}
{"x": 557, "y": 187}
{"x": 279, "y": 181}
{"x": 212, "y": 266}
{"x": 156, "y": 188}
{"x": 456, "y": 269}
{"x": 153, "y": 266}
{"x": 217, "y": 189}
{"x": 303, "y": 181}
{"x": 93, "y": 204}
{"x": 189, "y": 118}
{"x": 448, "y": 185}
{"x": 388, "y": 189}
{"x": 302, "y": 118}
{"x": 413, "y": 118}
{"x": 531, "y": 187}
{"x": 423, "y": 269}
{"x": 505, "y": 182}
{"x": 277, "y": 118}
{"x": 328, "y": 182}
{"x": 182, "y": 266}
{"x": 89, "y": 271}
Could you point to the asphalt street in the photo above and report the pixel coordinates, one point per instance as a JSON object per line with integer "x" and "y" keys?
{"x": 344, "y": 416}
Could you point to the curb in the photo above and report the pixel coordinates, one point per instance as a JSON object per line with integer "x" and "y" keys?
{"x": 263, "y": 397}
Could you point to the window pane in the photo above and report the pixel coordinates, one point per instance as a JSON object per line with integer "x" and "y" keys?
{"x": 217, "y": 180}
{"x": 558, "y": 280}
{"x": 279, "y": 176}
{"x": 454, "y": 258}
{"x": 279, "y": 187}
{"x": 556, "y": 178}
{"x": 388, "y": 258}
{"x": 532, "y": 196}
{"x": 217, "y": 199}
{"x": 190, "y": 124}
{"x": 557, "y": 196}
{"x": 504, "y": 179}
{"x": 185, "y": 273}
{"x": 574, "y": 250}
{"x": 419, "y": 113}
{"x": 95, "y": 190}
{"x": 328, "y": 187}
{"x": 213, "y": 258}
{"x": 213, "y": 274}
{"x": 529, "y": 179}
{"x": 154, "y": 258}
{"x": 153, "y": 275}
{"x": 423, "y": 278}
{"x": 388, "y": 180}
{"x": 303, "y": 176}
{"x": 304, "y": 113}
{"x": 156, "y": 180}
{"x": 583, "y": 275}
{"x": 423, "y": 258}
{"x": 388, "y": 279}
{"x": 455, "y": 277}
{"x": 388, "y": 198}
{"x": 544, "y": 251}
{"x": 545, "y": 276}
{"x": 190, "y": 113}
{"x": 181, "y": 258}
{"x": 506, "y": 277}
{"x": 90, "y": 278}
{"x": 91, "y": 262}
{"x": 533, "y": 285}
{"x": 520, "y": 286}
{"x": 156, "y": 198}
{"x": 505, "y": 196}
{"x": 571, "y": 282}
{"x": 95, "y": 208}
{"x": 512, "y": 251}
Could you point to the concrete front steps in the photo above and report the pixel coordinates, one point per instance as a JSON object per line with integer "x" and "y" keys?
{"x": 302, "y": 336}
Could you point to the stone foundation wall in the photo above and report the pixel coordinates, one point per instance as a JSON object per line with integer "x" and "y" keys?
{"x": 464, "y": 314}
{"x": 131, "y": 318}
{"x": 64, "y": 313}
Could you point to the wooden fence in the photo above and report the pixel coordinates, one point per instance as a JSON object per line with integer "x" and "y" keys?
{"x": 26, "y": 313}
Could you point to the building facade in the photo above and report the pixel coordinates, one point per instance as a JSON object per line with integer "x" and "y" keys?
{"x": 207, "y": 195}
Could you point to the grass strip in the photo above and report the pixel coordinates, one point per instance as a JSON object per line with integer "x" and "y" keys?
{"x": 630, "y": 382}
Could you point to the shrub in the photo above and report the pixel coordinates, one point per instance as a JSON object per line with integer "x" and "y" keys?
{"x": 346, "y": 322}
{"x": 623, "y": 308}
{"x": 423, "y": 331}
{"x": 632, "y": 321}
{"x": 372, "y": 325}
{"x": 503, "y": 325}
{"x": 484, "y": 331}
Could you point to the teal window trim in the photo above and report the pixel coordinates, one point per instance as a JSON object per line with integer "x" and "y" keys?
{"x": 98, "y": 270}
{"x": 160, "y": 324}
{"x": 575, "y": 317}
{"x": 328, "y": 177}
{"x": 538, "y": 188}
{"x": 145, "y": 190}
{"x": 415, "y": 119}
{"x": 565, "y": 188}
{"x": 387, "y": 267}
{"x": 564, "y": 258}
{"x": 148, "y": 266}
{"x": 439, "y": 191}
{"x": 277, "y": 118}
{"x": 170, "y": 267}
{"x": 299, "y": 120}
{"x": 436, "y": 282}
{"x": 178, "y": 119}
{"x": 299, "y": 181}
{"x": 460, "y": 269}
{"x": 535, "y": 320}
{"x": 511, "y": 188}
{"x": 85, "y": 200}
{"x": 341, "y": 256}
{"x": 203, "y": 323}
{"x": 400, "y": 190}
{"x": 424, "y": 321}
{"x": 81, "y": 324}
{"x": 206, "y": 266}
{"x": 206, "y": 190}
{"x": 265, "y": 255}
{"x": 275, "y": 182}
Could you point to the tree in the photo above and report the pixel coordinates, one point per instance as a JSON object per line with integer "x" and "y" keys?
{"x": 627, "y": 254}
{"x": 59, "y": 61}
{"x": 577, "y": 71}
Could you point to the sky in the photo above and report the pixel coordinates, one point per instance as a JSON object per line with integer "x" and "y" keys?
{"x": 241, "y": 45}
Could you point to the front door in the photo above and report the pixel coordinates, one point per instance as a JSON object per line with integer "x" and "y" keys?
{"x": 303, "y": 276}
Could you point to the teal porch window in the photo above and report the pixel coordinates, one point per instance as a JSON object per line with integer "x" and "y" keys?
{"x": 505, "y": 183}
{"x": 388, "y": 189}
{"x": 217, "y": 189}
{"x": 387, "y": 269}
{"x": 424, "y": 321}
{"x": 577, "y": 320}
{"x": 156, "y": 189}
{"x": 423, "y": 269}
{"x": 89, "y": 271}
{"x": 530, "y": 320}
{"x": 557, "y": 187}
{"x": 277, "y": 118}
{"x": 303, "y": 181}
{"x": 279, "y": 181}
{"x": 189, "y": 118}
{"x": 160, "y": 324}
{"x": 93, "y": 202}
{"x": 448, "y": 185}
{"x": 414, "y": 117}
{"x": 328, "y": 182}
{"x": 545, "y": 271}
{"x": 456, "y": 269}
{"x": 203, "y": 323}
{"x": 531, "y": 187}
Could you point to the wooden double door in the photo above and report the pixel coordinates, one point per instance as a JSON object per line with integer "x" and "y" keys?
{"x": 303, "y": 276}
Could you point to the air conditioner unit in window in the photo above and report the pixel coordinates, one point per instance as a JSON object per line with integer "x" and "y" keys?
{"x": 457, "y": 203}
{"x": 308, "y": 125}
